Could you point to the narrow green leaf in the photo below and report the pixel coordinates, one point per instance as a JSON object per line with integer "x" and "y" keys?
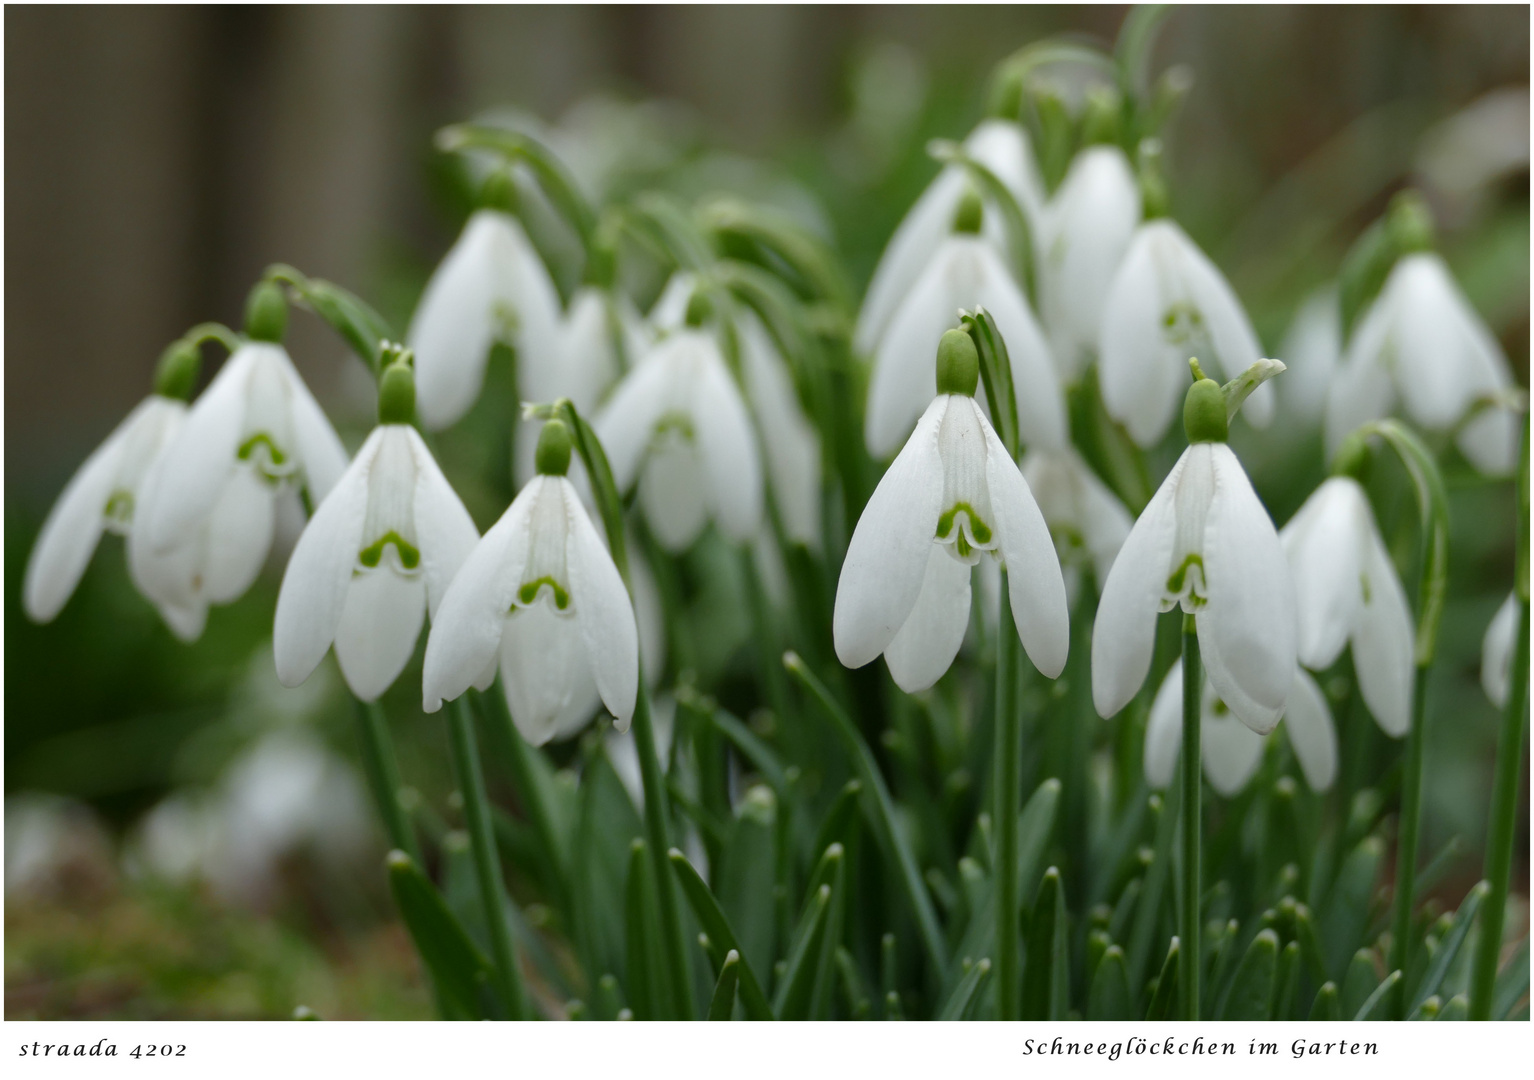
{"x": 996, "y": 375}
{"x": 641, "y": 920}
{"x": 1449, "y": 948}
{"x": 1512, "y": 983}
{"x": 839, "y": 820}
{"x": 753, "y": 748}
{"x": 1427, "y": 1009}
{"x": 723, "y": 1002}
{"x": 859, "y": 1007}
{"x": 1035, "y": 827}
{"x": 793, "y": 997}
{"x": 1328, "y": 1003}
{"x": 1109, "y": 998}
{"x": 745, "y": 877}
{"x": 1310, "y": 944}
{"x": 967, "y": 992}
{"x": 1456, "y": 1008}
{"x": 460, "y": 972}
{"x": 714, "y": 923}
{"x": 1046, "y": 974}
{"x": 1375, "y": 1007}
{"x": 1360, "y": 982}
{"x": 610, "y": 1001}
{"x": 1288, "y": 982}
{"x": 1221, "y": 944}
{"x": 1163, "y": 1002}
{"x": 1251, "y": 991}
{"x": 1124, "y": 908}
{"x": 798, "y": 255}
{"x": 362, "y": 328}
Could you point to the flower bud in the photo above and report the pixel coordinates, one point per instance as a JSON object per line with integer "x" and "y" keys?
{"x": 396, "y": 394}
{"x": 1410, "y": 223}
{"x": 958, "y": 364}
{"x": 266, "y": 313}
{"x": 553, "y": 454}
{"x": 1103, "y": 119}
{"x": 970, "y": 213}
{"x": 1203, "y": 413}
{"x": 699, "y": 308}
{"x": 176, "y": 374}
{"x": 499, "y": 192}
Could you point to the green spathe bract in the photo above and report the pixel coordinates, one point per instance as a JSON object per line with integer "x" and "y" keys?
{"x": 266, "y": 313}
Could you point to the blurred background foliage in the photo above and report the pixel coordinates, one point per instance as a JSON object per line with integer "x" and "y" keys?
{"x": 160, "y": 158}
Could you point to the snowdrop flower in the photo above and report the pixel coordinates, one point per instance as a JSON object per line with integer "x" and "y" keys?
{"x": 678, "y": 425}
{"x": 1168, "y": 302}
{"x": 209, "y": 503}
{"x": 1420, "y": 344}
{"x": 1230, "y": 750}
{"x": 952, "y": 494}
{"x": 1346, "y": 589}
{"x": 492, "y": 286}
{"x": 1088, "y": 522}
{"x": 1312, "y": 349}
{"x": 378, "y": 555}
{"x": 1497, "y": 652}
{"x": 104, "y": 492}
{"x": 539, "y": 595}
{"x": 1204, "y": 542}
{"x": 963, "y": 272}
{"x": 1001, "y": 146}
{"x": 1083, "y": 236}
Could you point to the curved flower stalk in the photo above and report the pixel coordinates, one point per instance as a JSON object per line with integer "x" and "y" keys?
{"x": 377, "y": 556}
{"x": 539, "y": 597}
{"x": 1312, "y": 349}
{"x": 1497, "y": 652}
{"x": 1001, "y": 146}
{"x": 952, "y": 495}
{"x": 1085, "y": 232}
{"x": 1088, "y": 522}
{"x": 1204, "y": 543}
{"x": 963, "y": 272}
{"x": 491, "y": 286}
{"x": 1347, "y": 590}
{"x": 1231, "y": 751}
{"x": 1421, "y": 347}
{"x": 209, "y": 504}
{"x": 678, "y": 426}
{"x": 1168, "y": 302}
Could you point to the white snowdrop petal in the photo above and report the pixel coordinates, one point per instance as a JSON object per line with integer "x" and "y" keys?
{"x": 1325, "y": 549}
{"x": 1004, "y": 147}
{"x": 380, "y": 622}
{"x": 1105, "y": 521}
{"x": 1040, "y": 403}
{"x": 1142, "y": 384}
{"x": 1384, "y": 641}
{"x": 316, "y": 443}
{"x": 1439, "y": 370}
{"x": 1308, "y": 719}
{"x": 1035, "y": 585}
{"x": 526, "y": 293}
{"x": 1163, "y": 730}
{"x": 1312, "y": 350}
{"x": 673, "y": 492}
{"x": 925, "y": 646}
{"x": 626, "y": 424}
{"x": 791, "y": 442}
{"x": 603, "y": 612}
{"x": 314, "y": 585}
{"x": 1246, "y": 631}
{"x": 444, "y": 530}
{"x": 1490, "y": 440}
{"x": 1230, "y": 332}
{"x": 1124, "y": 633}
{"x": 1362, "y": 389}
{"x": 887, "y": 557}
{"x": 239, "y": 536}
{"x": 726, "y": 441}
{"x": 1497, "y": 652}
{"x": 187, "y": 622}
{"x": 467, "y": 626}
{"x": 545, "y": 673}
{"x": 1230, "y": 751}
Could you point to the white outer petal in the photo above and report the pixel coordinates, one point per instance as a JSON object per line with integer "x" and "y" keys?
{"x": 673, "y": 493}
{"x": 1035, "y": 585}
{"x": 726, "y": 439}
{"x": 1230, "y": 750}
{"x": 924, "y": 648}
{"x": 1312, "y": 351}
{"x": 445, "y": 532}
{"x": 313, "y": 593}
{"x": 603, "y": 612}
{"x": 1040, "y": 403}
{"x": 791, "y": 442}
{"x": 1362, "y": 389}
{"x": 380, "y": 622}
{"x": 1246, "y": 631}
{"x": 1142, "y": 382}
{"x": 1311, "y": 732}
{"x": 887, "y": 557}
{"x": 318, "y": 446}
{"x": 626, "y": 423}
{"x": 1384, "y": 641}
{"x": 1324, "y": 543}
{"x": 1163, "y": 730}
{"x": 1124, "y": 634}
{"x": 1497, "y": 651}
{"x": 906, "y": 256}
{"x": 1235, "y": 342}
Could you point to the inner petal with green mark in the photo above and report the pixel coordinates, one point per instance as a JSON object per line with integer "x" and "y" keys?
{"x": 118, "y": 512}
{"x": 545, "y": 575}
{"x": 406, "y": 559}
{"x": 271, "y": 463}
{"x": 1186, "y": 585}
{"x": 1181, "y": 323}
{"x": 968, "y": 533}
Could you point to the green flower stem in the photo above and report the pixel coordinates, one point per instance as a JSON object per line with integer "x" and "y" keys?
{"x": 1504, "y": 822}
{"x": 1192, "y": 792}
{"x": 1410, "y": 831}
{"x": 382, "y": 771}
{"x": 487, "y": 862}
{"x": 1008, "y": 795}
{"x": 658, "y": 833}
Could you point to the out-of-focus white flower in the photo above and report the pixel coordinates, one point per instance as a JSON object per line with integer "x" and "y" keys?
{"x": 1169, "y": 302}
{"x": 1497, "y": 652}
{"x": 963, "y": 272}
{"x": 952, "y": 494}
{"x": 790, "y": 441}
{"x": 53, "y": 846}
{"x": 492, "y": 286}
{"x": 209, "y": 503}
{"x": 1346, "y": 589}
{"x": 1422, "y": 346}
{"x": 101, "y": 496}
{"x": 678, "y": 425}
{"x": 1312, "y": 349}
{"x": 1083, "y": 237}
{"x": 379, "y": 553}
{"x": 1462, "y": 157}
{"x": 1204, "y": 542}
{"x": 1001, "y": 146}
{"x": 1228, "y": 748}
{"x": 1087, "y": 521}
{"x": 540, "y": 596}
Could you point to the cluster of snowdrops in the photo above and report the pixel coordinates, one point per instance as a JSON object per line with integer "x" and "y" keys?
{"x": 1016, "y": 354}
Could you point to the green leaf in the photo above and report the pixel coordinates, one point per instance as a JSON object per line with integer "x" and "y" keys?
{"x": 1163, "y": 1002}
{"x": 1288, "y": 982}
{"x": 606, "y": 822}
{"x": 717, "y": 927}
{"x": 1456, "y": 1008}
{"x": 859, "y": 1007}
{"x": 1374, "y": 1008}
{"x": 1251, "y": 991}
{"x": 744, "y": 878}
{"x": 1328, "y": 1004}
{"x": 1427, "y": 1009}
{"x": 797, "y": 255}
{"x": 1046, "y": 972}
{"x": 840, "y": 820}
{"x": 641, "y": 920}
{"x": 793, "y": 997}
{"x": 967, "y": 993}
{"x": 1512, "y": 983}
{"x": 753, "y": 748}
{"x": 359, "y": 325}
{"x": 1360, "y": 982}
{"x": 1449, "y": 947}
{"x": 722, "y": 1005}
{"x": 1021, "y": 248}
{"x": 1347, "y": 911}
{"x": 1035, "y": 827}
{"x": 1109, "y": 998}
{"x": 996, "y": 375}
{"x": 460, "y": 972}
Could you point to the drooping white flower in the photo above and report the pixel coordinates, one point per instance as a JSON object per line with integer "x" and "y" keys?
{"x": 1001, "y": 146}
{"x": 379, "y": 554}
{"x": 1204, "y": 542}
{"x": 1088, "y": 522}
{"x": 952, "y": 494}
{"x": 1084, "y": 234}
{"x": 1169, "y": 302}
{"x": 1497, "y": 652}
{"x": 963, "y": 272}
{"x": 1312, "y": 349}
{"x": 1421, "y": 347}
{"x": 1230, "y": 750}
{"x": 540, "y": 597}
{"x": 1346, "y": 589}
{"x": 678, "y": 425}
{"x": 790, "y": 442}
{"x": 209, "y": 503}
{"x": 102, "y": 495}
{"x": 492, "y": 286}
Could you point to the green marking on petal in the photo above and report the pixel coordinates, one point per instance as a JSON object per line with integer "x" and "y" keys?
{"x": 1179, "y": 579}
{"x": 1363, "y": 582}
{"x": 529, "y": 592}
{"x": 261, "y": 438}
{"x": 1180, "y": 322}
{"x": 119, "y": 507}
{"x": 679, "y": 422}
{"x": 409, "y": 556}
{"x": 977, "y": 526}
